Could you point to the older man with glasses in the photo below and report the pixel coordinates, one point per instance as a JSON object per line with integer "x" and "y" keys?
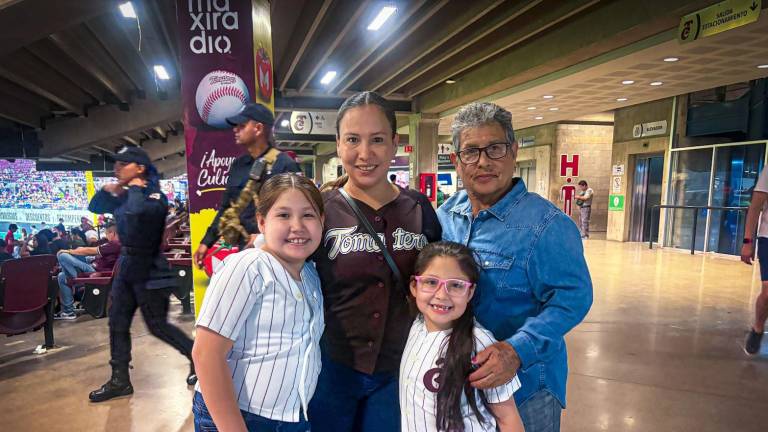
{"x": 535, "y": 285}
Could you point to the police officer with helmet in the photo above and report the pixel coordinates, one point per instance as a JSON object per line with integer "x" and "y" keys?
{"x": 144, "y": 279}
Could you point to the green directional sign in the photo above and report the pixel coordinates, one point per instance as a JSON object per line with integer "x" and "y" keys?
{"x": 718, "y": 18}
{"x": 616, "y": 202}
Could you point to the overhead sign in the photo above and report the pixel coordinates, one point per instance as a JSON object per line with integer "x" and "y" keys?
{"x": 616, "y": 202}
{"x": 718, "y": 18}
{"x": 313, "y": 123}
{"x": 650, "y": 129}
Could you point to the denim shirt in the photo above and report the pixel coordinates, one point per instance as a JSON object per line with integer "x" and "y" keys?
{"x": 534, "y": 285}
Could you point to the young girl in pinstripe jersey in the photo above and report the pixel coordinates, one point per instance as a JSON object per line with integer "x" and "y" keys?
{"x": 435, "y": 394}
{"x": 257, "y": 352}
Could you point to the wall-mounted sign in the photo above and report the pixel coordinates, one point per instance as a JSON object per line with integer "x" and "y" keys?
{"x": 569, "y": 163}
{"x": 615, "y": 202}
{"x": 718, "y": 18}
{"x": 313, "y": 123}
{"x": 618, "y": 170}
{"x": 408, "y": 149}
{"x": 527, "y": 141}
{"x": 444, "y": 148}
{"x": 649, "y": 129}
{"x": 616, "y": 185}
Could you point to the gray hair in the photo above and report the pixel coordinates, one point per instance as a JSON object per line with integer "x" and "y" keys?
{"x": 478, "y": 114}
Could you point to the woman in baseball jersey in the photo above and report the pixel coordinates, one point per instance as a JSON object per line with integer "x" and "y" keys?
{"x": 366, "y": 310}
{"x": 257, "y": 353}
{"x": 435, "y": 394}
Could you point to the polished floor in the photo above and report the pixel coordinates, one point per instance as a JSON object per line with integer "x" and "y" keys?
{"x": 661, "y": 350}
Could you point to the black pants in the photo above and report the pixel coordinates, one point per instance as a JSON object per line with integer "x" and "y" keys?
{"x": 127, "y": 296}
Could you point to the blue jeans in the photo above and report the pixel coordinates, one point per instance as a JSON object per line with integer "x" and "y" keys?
{"x": 541, "y": 412}
{"x": 71, "y": 265}
{"x": 253, "y": 422}
{"x": 347, "y": 400}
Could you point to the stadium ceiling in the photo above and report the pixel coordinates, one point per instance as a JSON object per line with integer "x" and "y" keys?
{"x": 74, "y": 85}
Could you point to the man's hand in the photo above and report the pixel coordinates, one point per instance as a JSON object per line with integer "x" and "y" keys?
{"x": 499, "y": 363}
{"x": 137, "y": 181}
{"x": 200, "y": 255}
{"x": 748, "y": 253}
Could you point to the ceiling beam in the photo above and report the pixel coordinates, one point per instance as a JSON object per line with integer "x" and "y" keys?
{"x": 157, "y": 149}
{"x": 123, "y": 51}
{"x": 83, "y": 46}
{"x": 11, "y": 89}
{"x": 104, "y": 149}
{"x": 170, "y": 163}
{"x": 363, "y": 54}
{"x": 496, "y": 21}
{"x": 26, "y": 21}
{"x": 551, "y": 17}
{"x": 47, "y": 51}
{"x": 29, "y": 72}
{"x": 106, "y": 123}
{"x": 470, "y": 14}
{"x": 20, "y": 111}
{"x": 343, "y": 83}
{"x": 308, "y": 16}
{"x": 130, "y": 140}
{"x": 348, "y": 23}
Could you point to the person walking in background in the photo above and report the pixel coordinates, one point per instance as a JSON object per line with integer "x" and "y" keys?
{"x": 584, "y": 201}
{"x": 757, "y": 212}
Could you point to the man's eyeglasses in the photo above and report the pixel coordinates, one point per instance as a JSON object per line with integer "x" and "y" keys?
{"x": 454, "y": 287}
{"x": 493, "y": 151}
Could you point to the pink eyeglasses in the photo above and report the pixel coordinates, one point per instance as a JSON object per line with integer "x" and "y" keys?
{"x": 454, "y": 287}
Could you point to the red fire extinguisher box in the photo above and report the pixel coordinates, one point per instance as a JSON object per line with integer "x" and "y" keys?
{"x": 428, "y": 185}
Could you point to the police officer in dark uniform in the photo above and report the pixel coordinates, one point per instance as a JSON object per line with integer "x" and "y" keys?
{"x": 144, "y": 279}
{"x": 253, "y": 131}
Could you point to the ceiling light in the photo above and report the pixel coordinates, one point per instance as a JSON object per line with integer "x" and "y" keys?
{"x": 539, "y": 118}
{"x": 548, "y": 97}
{"x": 554, "y": 109}
{"x": 621, "y": 99}
{"x": 127, "y": 10}
{"x": 627, "y": 82}
{"x": 450, "y": 81}
{"x": 671, "y": 59}
{"x": 765, "y": 66}
{"x": 382, "y": 17}
{"x": 285, "y": 123}
{"x": 328, "y": 77}
{"x": 656, "y": 83}
{"x": 161, "y": 73}
{"x": 531, "y": 108}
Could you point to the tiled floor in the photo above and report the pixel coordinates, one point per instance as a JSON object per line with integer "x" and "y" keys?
{"x": 660, "y": 351}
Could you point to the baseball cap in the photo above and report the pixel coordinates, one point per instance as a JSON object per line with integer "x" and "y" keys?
{"x": 132, "y": 154}
{"x": 252, "y": 111}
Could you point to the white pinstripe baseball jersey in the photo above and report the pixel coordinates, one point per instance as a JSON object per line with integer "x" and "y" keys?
{"x": 275, "y": 323}
{"x": 419, "y": 381}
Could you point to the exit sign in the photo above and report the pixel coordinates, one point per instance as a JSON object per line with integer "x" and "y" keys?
{"x": 409, "y": 149}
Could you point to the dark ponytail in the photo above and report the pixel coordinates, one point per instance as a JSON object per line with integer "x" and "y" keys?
{"x": 460, "y": 344}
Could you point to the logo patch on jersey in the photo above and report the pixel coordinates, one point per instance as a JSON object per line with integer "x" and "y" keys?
{"x": 348, "y": 240}
{"x": 433, "y": 378}
{"x": 155, "y": 196}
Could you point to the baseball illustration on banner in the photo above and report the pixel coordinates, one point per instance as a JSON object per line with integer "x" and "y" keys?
{"x": 219, "y": 95}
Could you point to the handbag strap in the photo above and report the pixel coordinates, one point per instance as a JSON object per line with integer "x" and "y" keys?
{"x": 367, "y": 225}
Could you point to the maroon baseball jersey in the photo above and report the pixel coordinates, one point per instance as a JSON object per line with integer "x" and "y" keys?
{"x": 367, "y": 317}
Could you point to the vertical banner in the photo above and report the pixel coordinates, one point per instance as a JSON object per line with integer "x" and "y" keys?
{"x": 226, "y": 60}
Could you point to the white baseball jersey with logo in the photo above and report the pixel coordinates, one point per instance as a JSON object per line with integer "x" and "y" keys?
{"x": 276, "y": 323}
{"x": 419, "y": 381}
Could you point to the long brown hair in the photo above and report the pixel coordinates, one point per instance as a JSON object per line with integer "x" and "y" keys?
{"x": 460, "y": 344}
{"x": 277, "y": 185}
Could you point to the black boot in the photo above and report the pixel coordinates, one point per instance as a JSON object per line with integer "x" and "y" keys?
{"x": 118, "y": 385}
{"x": 192, "y": 377}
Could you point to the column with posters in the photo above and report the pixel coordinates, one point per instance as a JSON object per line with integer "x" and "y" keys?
{"x": 226, "y": 51}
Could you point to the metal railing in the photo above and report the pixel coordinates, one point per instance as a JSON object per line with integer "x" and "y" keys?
{"x": 695, "y": 219}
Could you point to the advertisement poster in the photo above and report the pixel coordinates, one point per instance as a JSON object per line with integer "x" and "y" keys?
{"x": 226, "y": 60}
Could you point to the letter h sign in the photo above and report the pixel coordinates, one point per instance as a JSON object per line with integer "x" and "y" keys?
{"x": 566, "y": 164}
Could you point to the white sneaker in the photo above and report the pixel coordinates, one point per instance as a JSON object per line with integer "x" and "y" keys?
{"x": 65, "y": 316}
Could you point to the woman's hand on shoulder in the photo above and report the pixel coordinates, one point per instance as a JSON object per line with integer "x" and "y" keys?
{"x": 113, "y": 188}
{"x": 137, "y": 181}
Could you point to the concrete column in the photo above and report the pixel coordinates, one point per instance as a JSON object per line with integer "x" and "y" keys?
{"x": 423, "y": 138}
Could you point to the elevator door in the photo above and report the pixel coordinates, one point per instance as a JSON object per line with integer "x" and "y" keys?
{"x": 646, "y": 193}
{"x": 527, "y": 171}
